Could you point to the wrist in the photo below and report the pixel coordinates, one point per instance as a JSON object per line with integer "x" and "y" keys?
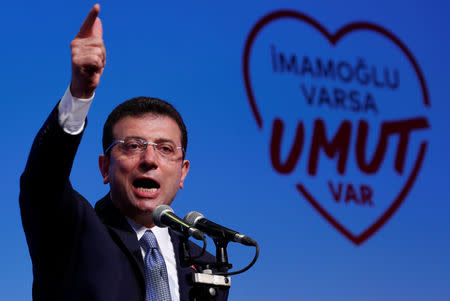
{"x": 82, "y": 93}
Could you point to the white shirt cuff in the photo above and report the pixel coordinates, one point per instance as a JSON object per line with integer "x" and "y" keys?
{"x": 72, "y": 112}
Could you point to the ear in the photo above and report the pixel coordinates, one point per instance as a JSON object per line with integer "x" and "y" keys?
{"x": 184, "y": 172}
{"x": 103, "y": 164}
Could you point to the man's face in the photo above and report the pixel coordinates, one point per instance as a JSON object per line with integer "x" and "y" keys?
{"x": 141, "y": 182}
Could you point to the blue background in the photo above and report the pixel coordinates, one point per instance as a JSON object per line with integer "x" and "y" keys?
{"x": 191, "y": 55}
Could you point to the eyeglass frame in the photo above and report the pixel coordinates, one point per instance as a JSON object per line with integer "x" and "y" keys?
{"x": 144, "y": 142}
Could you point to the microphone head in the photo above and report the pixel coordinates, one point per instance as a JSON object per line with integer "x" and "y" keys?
{"x": 192, "y": 217}
{"x": 159, "y": 212}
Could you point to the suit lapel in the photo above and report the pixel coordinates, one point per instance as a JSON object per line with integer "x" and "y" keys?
{"x": 121, "y": 231}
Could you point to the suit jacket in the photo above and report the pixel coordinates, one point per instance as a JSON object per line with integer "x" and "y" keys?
{"x": 78, "y": 252}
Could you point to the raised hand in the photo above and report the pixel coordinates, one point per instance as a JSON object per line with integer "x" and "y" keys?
{"x": 88, "y": 56}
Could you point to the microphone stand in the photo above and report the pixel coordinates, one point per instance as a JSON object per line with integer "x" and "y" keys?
{"x": 222, "y": 255}
{"x": 206, "y": 283}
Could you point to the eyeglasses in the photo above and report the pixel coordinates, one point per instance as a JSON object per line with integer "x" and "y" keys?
{"x": 132, "y": 146}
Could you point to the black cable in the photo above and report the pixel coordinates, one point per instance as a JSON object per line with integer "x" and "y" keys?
{"x": 244, "y": 269}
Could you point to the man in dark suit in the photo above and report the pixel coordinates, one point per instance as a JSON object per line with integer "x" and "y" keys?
{"x": 82, "y": 253}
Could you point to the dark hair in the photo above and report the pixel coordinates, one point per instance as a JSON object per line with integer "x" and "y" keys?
{"x": 139, "y": 106}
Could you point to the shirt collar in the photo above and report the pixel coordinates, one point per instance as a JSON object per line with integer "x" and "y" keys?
{"x": 161, "y": 234}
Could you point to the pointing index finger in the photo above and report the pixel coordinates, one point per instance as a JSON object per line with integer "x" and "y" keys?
{"x": 87, "y": 26}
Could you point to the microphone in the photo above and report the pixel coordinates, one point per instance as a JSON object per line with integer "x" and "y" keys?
{"x": 163, "y": 216}
{"x": 216, "y": 231}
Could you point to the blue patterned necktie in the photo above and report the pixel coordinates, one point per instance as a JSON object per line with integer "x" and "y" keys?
{"x": 156, "y": 278}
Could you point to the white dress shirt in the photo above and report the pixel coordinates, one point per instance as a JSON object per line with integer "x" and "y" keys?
{"x": 72, "y": 114}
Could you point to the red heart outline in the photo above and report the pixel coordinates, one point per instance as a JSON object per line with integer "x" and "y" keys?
{"x": 333, "y": 39}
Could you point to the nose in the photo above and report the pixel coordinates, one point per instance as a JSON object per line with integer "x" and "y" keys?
{"x": 149, "y": 158}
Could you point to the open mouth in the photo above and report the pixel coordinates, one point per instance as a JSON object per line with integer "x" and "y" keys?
{"x": 146, "y": 185}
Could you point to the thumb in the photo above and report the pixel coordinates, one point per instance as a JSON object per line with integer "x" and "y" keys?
{"x": 91, "y": 25}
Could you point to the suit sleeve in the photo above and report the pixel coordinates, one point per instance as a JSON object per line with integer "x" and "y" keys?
{"x": 51, "y": 210}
